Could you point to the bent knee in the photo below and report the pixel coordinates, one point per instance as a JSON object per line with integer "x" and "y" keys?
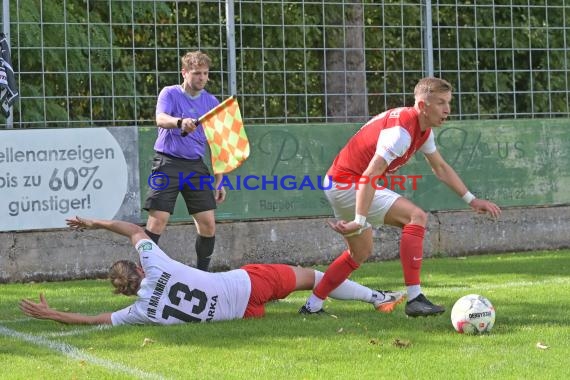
{"x": 206, "y": 228}
{"x": 419, "y": 217}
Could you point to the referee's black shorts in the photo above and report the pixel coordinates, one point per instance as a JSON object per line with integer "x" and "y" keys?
{"x": 170, "y": 176}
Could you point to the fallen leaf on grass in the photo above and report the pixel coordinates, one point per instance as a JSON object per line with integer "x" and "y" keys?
{"x": 147, "y": 341}
{"x": 401, "y": 343}
{"x": 542, "y": 346}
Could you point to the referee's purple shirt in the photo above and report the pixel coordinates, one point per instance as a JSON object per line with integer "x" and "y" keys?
{"x": 173, "y": 101}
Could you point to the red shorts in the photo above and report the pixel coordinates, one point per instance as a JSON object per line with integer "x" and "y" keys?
{"x": 268, "y": 282}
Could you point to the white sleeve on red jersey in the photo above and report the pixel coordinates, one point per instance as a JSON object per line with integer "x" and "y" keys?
{"x": 429, "y": 145}
{"x": 393, "y": 142}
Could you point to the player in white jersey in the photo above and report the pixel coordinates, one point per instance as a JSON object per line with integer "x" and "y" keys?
{"x": 170, "y": 292}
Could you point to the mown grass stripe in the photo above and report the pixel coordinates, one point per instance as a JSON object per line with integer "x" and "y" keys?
{"x": 75, "y": 332}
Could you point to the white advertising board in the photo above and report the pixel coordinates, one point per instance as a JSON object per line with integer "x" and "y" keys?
{"x": 49, "y": 175}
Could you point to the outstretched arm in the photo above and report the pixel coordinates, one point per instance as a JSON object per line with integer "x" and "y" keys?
{"x": 446, "y": 174}
{"x": 132, "y": 231}
{"x": 42, "y": 310}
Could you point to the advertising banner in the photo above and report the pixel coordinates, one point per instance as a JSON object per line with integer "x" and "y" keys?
{"x": 49, "y": 175}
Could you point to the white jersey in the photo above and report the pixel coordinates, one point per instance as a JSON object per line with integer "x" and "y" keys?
{"x": 172, "y": 292}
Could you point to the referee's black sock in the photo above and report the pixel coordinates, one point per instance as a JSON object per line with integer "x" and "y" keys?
{"x": 154, "y": 237}
{"x": 204, "y": 249}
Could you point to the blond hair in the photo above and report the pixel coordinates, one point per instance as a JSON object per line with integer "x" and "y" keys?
{"x": 430, "y": 85}
{"x": 125, "y": 277}
{"x": 194, "y": 59}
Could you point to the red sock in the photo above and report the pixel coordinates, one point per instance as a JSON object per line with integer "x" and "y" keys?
{"x": 336, "y": 273}
{"x": 411, "y": 252}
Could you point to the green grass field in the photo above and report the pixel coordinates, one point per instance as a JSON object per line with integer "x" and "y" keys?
{"x": 530, "y": 292}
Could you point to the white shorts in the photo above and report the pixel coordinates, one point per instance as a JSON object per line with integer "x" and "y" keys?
{"x": 343, "y": 202}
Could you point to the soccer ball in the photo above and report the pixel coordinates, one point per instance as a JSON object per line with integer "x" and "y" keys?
{"x": 473, "y": 314}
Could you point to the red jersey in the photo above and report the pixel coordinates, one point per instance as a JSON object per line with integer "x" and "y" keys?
{"x": 354, "y": 158}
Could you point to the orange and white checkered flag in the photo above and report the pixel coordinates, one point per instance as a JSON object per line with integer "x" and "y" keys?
{"x": 226, "y": 136}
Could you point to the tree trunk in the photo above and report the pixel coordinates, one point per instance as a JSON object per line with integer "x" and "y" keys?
{"x": 345, "y": 86}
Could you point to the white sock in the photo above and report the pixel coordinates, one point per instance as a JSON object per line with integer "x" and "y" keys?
{"x": 413, "y": 291}
{"x": 348, "y": 290}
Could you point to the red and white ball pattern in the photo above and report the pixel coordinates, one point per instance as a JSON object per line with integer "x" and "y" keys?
{"x": 473, "y": 314}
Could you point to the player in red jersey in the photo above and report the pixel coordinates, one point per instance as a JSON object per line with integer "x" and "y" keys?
{"x": 380, "y": 147}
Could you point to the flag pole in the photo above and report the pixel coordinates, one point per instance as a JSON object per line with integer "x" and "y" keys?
{"x": 215, "y": 110}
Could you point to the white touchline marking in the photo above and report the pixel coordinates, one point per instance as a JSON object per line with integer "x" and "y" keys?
{"x": 76, "y": 353}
